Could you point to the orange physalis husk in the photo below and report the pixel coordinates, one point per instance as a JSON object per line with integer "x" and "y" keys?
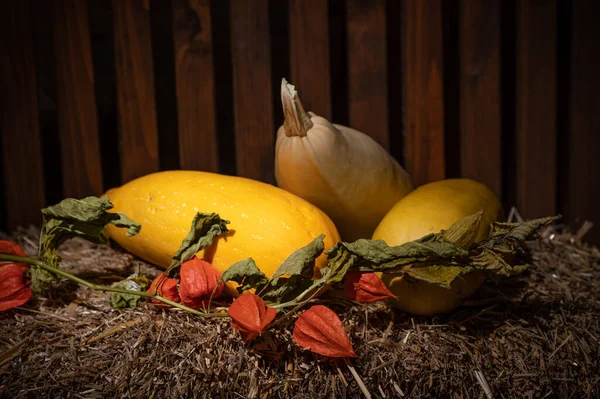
{"x": 365, "y": 287}
{"x": 11, "y": 248}
{"x": 167, "y": 288}
{"x": 13, "y": 291}
{"x": 13, "y": 287}
{"x": 250, "y": 316}
{"x": 321, "y": 331}
{"x": 197, "y": 281}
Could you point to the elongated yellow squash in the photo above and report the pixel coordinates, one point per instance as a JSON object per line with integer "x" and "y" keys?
{"x": 344, "y": 172}
{"x": 266, "y": 222}
{"x": 428, "y": 209}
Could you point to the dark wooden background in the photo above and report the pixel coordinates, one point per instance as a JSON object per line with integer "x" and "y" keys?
{"x": 95, "y": 93}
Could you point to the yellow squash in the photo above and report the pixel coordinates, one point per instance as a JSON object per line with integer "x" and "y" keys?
{"x": 267, "y": 223}
{"x": 429, "y": 209}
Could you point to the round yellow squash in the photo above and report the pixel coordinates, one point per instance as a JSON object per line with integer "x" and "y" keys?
{"x": 266, "y": 222}
{"x": 428, "y": 209}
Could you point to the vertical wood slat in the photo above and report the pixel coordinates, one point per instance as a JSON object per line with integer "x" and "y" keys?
{"x": 367, "y": 69}
{"x": 536, "y": 108}
{"x": 309, "y": 54}
{"x": 480, "y": 122}
{"x": 253, "y": 107}
{"x": 21, "y": 141}
{"x": 423, "y": 85}
{"x": 584, "y": 130}
{"x": 135, "y": 89}
{"x": 77, "y": 117}
{"x": 194, "y": 75}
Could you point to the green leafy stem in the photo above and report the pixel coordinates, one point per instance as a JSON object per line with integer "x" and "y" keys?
{"x": 97, "y": 287}
{"x": 435, "y": 258}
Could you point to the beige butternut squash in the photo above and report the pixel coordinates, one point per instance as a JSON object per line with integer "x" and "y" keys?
{"x": 344, "y": 172}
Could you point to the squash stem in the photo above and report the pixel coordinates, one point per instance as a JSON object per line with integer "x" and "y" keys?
{"x": 297, "y": 122}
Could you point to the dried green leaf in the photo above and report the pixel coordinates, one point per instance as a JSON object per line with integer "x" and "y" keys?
{"x": 82, "y": 210}
{"x": 204, "y": 229}
{"x": 299, "y": 290}
{"x": 246, "y": 274}
{"x": 294, "y": 275}
{"x": 376, "y": 255}
{"x": 504, "y": 252}
{"x": 521, "y": 231}
{"x": 464, "y": 232}
{"x": 338, "y": 263}
{"x": 84, "y": 218}
{"x": 133, "y": 228}
{"x": 140, "y": 278}
{"x": 121, "y": 300}
{"x": 302, "y": 261}
{"x": 440, "y": 275}
{"x": 287, "y": 289}
{"x": 41, "y": 280}
{"x": 135, "y": 282}
{"x": 499, "y": 261}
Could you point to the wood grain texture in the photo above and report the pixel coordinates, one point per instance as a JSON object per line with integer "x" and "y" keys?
{"x": 309, "y": 54}
{"x": 194, "y": 74}
{"x": 253, "y": 107}
{"x": 536, "y": 108}
{"x": 77, "y": 115}
{"x": 23, "y": 175}
{"x": 135, "y": 89}
{"x": 424, "y": 90}
{"x": 367, "y": 69}
{"x": 584, "y": 133}
{"x": 480, "y": 123}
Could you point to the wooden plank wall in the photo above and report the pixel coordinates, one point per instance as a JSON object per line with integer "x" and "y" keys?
{"x": 24, "y": 191}
{"x": 253, "y": 107}
{"x": 536, "y": 101}
{"x": 75, "y": 100}
{"x": 424, "y": 63}
{"x": 104, "y": 91}
{"x": 194, "y": 72}
{"x": 135, "y": 89}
